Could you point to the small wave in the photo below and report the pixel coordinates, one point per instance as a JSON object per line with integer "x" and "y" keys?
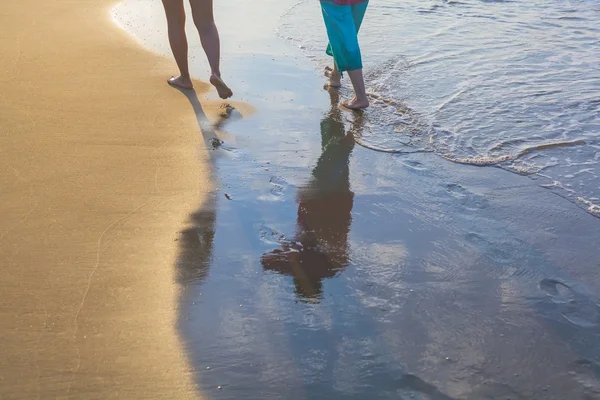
{"x": 592, "y": 208}
{"x": 478, "y": 160}
{"x": 551, "y": 146}
{"x": 526, "y": 115}
{"x": 486, "y": 160}
{"x": 390, "y": 126}
{"x": 525, "y": 169}
{"x": 570, "y": 18}
{"x": 391, "y": 150}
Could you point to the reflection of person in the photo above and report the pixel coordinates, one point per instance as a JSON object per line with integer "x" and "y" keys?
{"x": 196, "y": 246}
{"x": 196, "y": 242}
{"x": 342, "y": 22}
{"x": 202, "y": 13}
{"x": 320, "y": 247}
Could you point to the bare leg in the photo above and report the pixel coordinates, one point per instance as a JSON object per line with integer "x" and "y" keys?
{"x": 335, "y": 78}
{"x": 202, "y": 12}
{"x": 360, "y": 101}
{"x": 176, "y": 25}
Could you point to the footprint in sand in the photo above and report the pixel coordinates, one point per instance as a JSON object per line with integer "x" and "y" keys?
{"x": 559, "y": 292}
{"x": 270, "y": 236}
{"x": 279, "y": 186}
{"x": 277, "y": 189}
{"x": 228, "y": 113}
{"x": 467, "y": 198}
{"x": 578, "y": 308}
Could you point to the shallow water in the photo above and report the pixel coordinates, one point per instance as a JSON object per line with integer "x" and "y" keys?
{"x": 509, "y": 83}
{"x": 385, "y": 276}
{"x": 321, "y": 269}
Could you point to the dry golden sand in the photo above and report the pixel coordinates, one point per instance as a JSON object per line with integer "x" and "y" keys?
{"x": 99, "y": 170}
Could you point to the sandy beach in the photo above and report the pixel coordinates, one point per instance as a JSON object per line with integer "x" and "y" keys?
{"x": 99, "y": 171}
{"x": 293, "y": 261}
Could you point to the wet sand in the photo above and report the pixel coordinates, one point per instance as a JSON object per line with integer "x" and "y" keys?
{"x": 100, "y": 168}
{"x": 370, "y": 275}
{"x": 323, "y": 269}
{"x": 311, "y": 267}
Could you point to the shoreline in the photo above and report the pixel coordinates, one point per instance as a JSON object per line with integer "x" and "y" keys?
{"x": 136, "y": 263}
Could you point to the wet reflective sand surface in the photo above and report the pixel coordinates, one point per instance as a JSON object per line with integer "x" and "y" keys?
{"x": 386, "y": 276}
{"x": 142, "y": 258}
{"x": 323, "y": 269}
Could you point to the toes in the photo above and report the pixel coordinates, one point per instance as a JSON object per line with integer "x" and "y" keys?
{"x": 222, "y": 89}
{"x": 176, "y": 82}
{"x": 224, "y": 92}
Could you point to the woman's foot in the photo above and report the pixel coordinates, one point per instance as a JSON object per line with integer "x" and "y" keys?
{"x": 335, "y": 78}
{"x": 356, "y": 104}
{"x": 222, "y": 89}
{"x": 181, "y": 82}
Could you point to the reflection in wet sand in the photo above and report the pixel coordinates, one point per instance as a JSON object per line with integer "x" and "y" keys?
{"x": 430, "y": 304}
{"x": 196, "y": 242}
{"x": 319, "y": 249}
{"x": 243, "y": 339}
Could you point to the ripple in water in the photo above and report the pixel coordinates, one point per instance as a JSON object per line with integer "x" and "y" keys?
{"x": 508, "y": 83}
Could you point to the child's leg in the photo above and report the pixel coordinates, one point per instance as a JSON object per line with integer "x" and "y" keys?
{"x": 361, "y": 100}
{"x": 339, "y": 23}
{"x": 342, "y": 31}
{"x": 334, "y": 75}
{"x": 329, "y": 52}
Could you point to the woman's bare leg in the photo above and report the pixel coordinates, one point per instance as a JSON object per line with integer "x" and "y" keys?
{"x": 176, "y": 26}
{"x": 202, "y": 12}
{"x": 360, "y": 101}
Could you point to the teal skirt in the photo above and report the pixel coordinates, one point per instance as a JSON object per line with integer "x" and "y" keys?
{"x": 342, "y": 23}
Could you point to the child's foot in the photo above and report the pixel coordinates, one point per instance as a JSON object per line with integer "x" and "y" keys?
{"x": 335, "y": 79}
{"x": 180, "y": 82}
{"x": 222, "y": 89}
{"x": 356, "y": 104}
